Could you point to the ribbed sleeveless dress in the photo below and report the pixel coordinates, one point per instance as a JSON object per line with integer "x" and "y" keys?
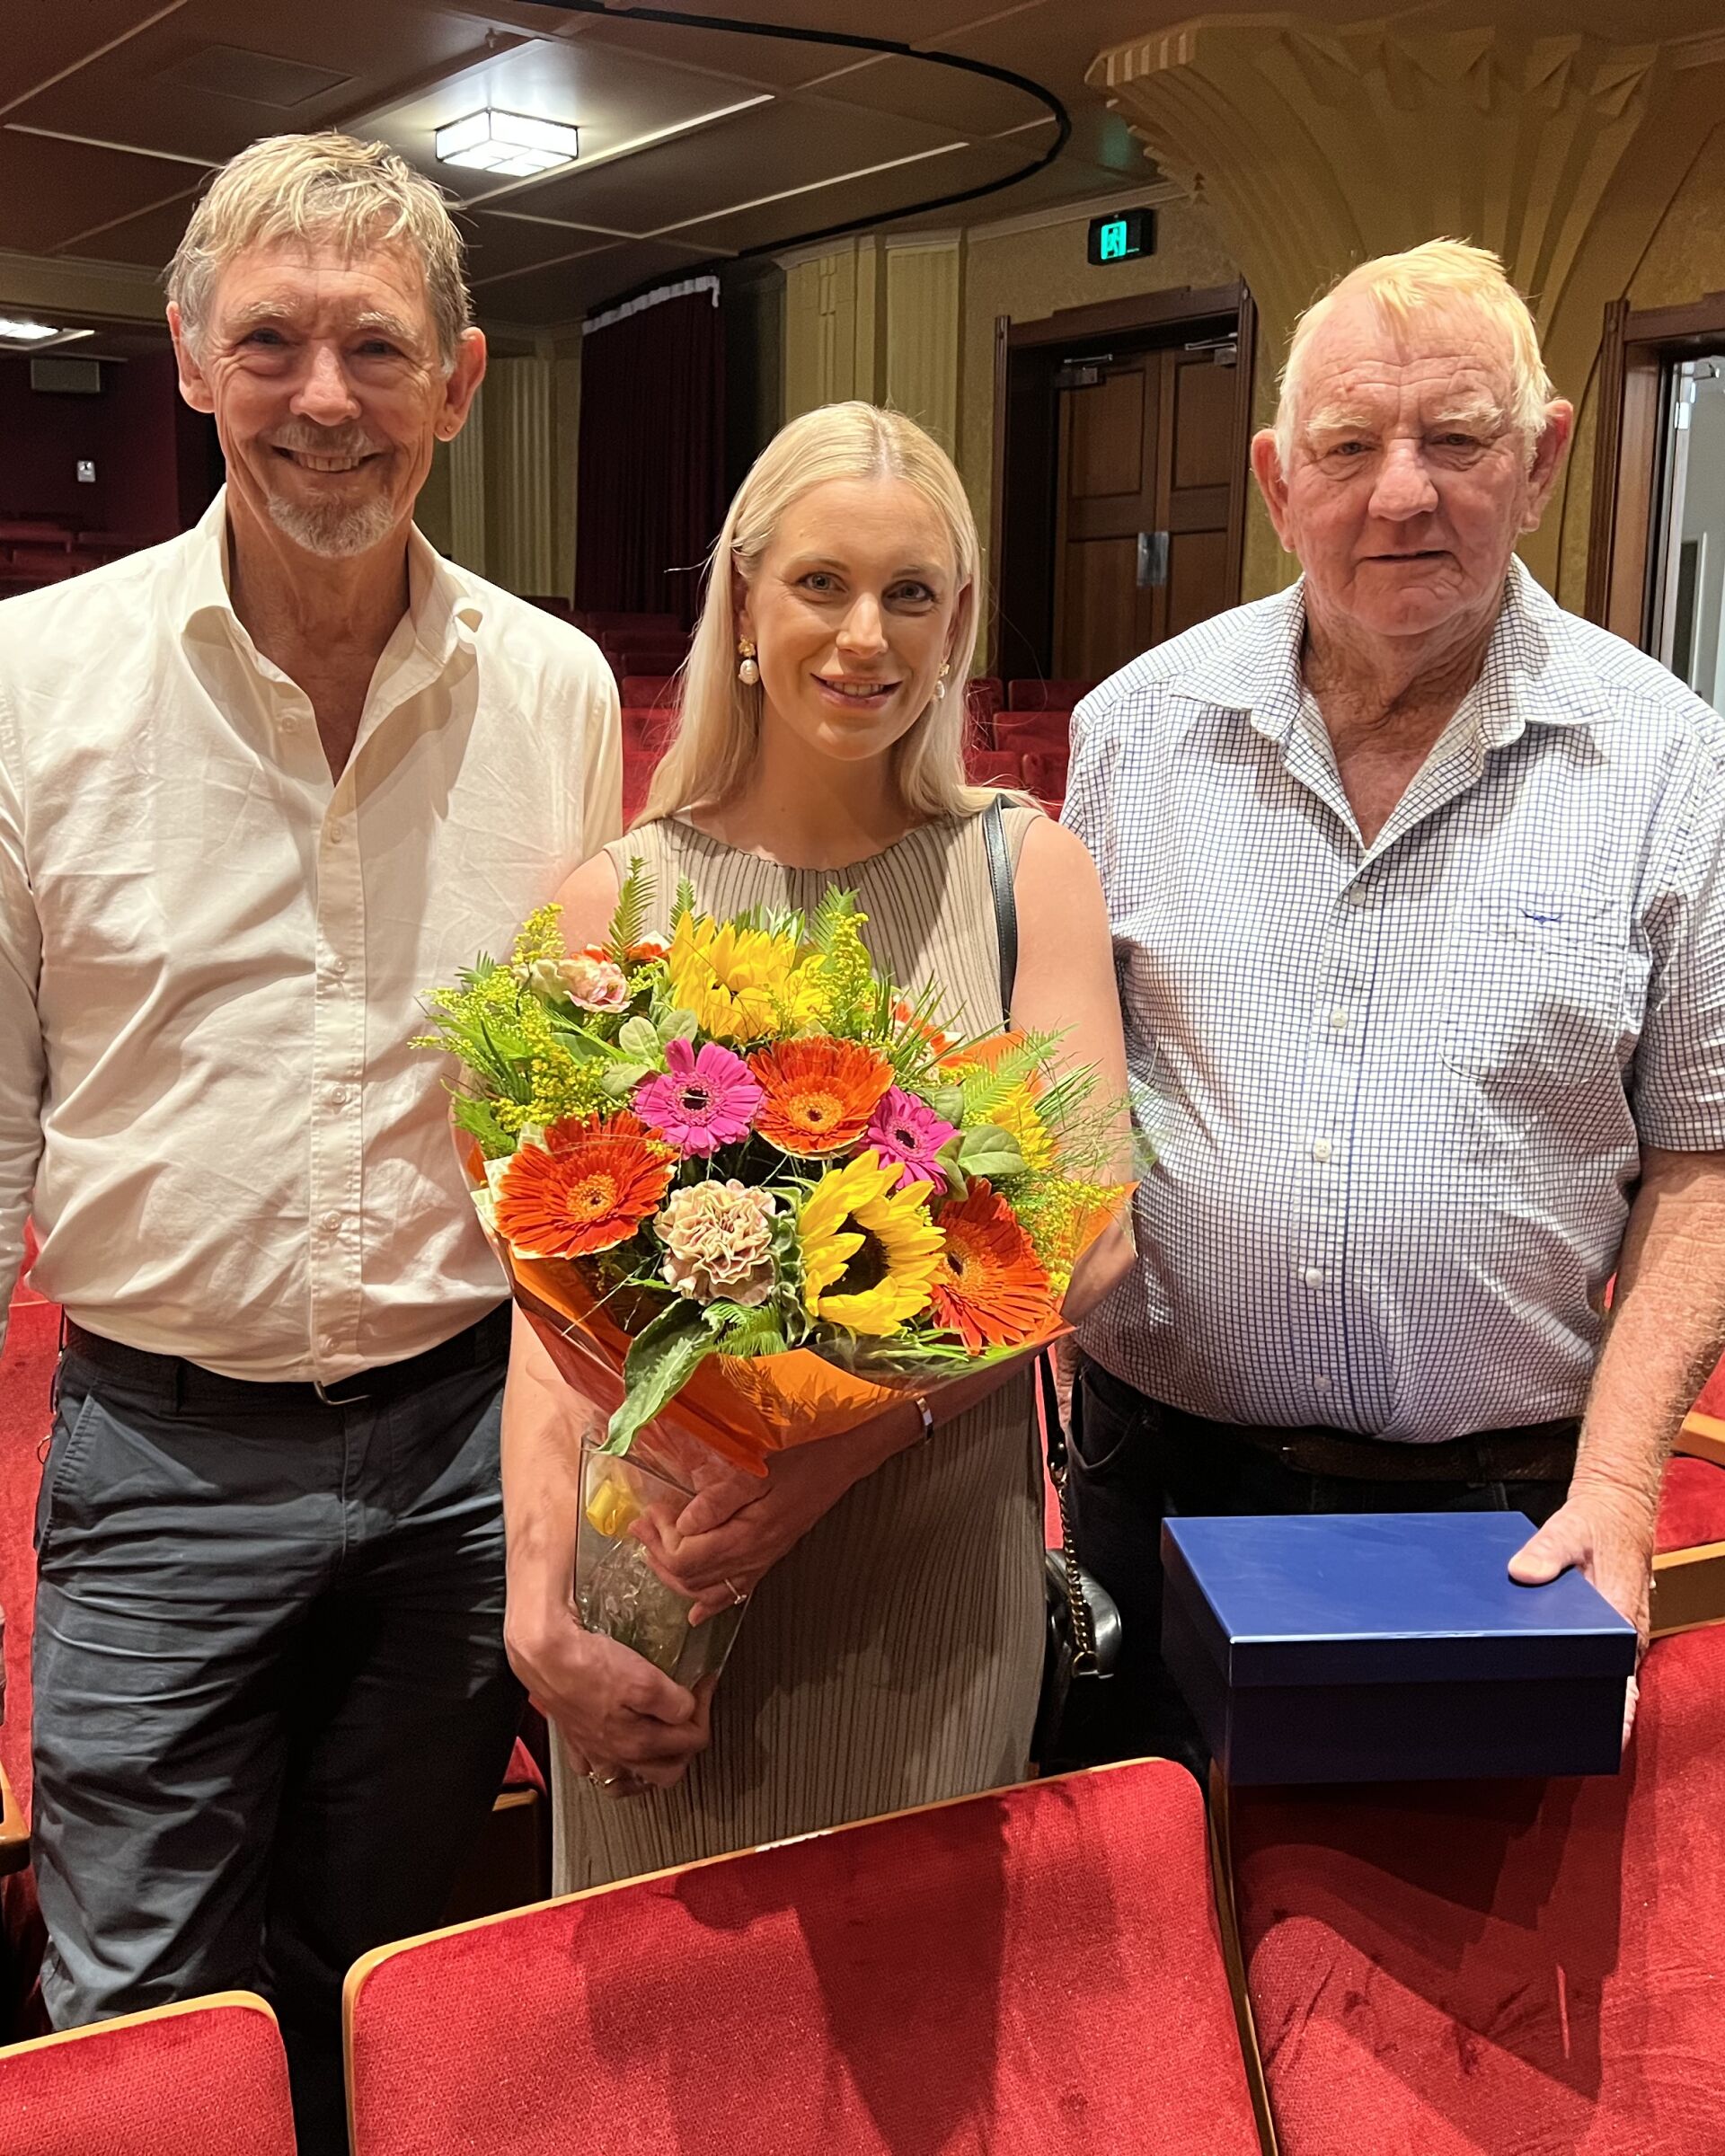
{"x": 894, "y": 1657}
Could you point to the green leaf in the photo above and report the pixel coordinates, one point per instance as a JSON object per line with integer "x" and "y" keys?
{"x": 835, "y": 906}
{"x": 988, "y": 1150}
{"x": 628, "y": 923}
{"x": 677, "y": 1025}
{"x": 684, "y": 905}
{"x": 638, "y": 1037}
{"x": 661, "y": 1362}
{"x": 617, "y": 1081}
{"x": 958, "y": 1183}
{"x": 948, "y": 1103}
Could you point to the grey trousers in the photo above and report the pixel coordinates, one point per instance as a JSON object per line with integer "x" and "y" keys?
{"x": 271, "y": 1701}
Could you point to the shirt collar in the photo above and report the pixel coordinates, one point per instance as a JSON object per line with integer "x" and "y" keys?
{"x": 1531, "y": 674}
{"x": 443, "y": 609}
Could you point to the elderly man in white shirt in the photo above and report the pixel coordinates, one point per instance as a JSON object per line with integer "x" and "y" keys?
{"x": 1420, "y": 942}
{"x": 259, "y": 788}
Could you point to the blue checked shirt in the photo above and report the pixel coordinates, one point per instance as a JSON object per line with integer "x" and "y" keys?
{"x": 1397, "y": 1093}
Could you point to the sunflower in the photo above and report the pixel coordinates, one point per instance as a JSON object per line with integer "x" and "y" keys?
{"x": 869, "y": 1252}
{"x": 817, "y": 1095}
{"x": 740, "y": 982}
{"x": 588, "y": 1187}
{"x": 991, "y": 1287}
{"x": 1017, "y": 1114}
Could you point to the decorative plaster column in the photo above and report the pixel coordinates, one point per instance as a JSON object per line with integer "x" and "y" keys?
{"x": 519, "y": 490}
{"x": 467, "y": 490}
{"x": 921, "y": 373}
{"x": 831, "y": 326}
{"x": 1317, "y": 148}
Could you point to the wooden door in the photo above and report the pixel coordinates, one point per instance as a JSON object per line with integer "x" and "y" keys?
{"x": 1141, "y": 541}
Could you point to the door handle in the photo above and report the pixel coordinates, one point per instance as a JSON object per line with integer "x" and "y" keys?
{"x": 1153, "y": 559}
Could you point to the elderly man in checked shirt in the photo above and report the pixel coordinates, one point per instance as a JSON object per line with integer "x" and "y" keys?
{"x": 1421, "y": 941}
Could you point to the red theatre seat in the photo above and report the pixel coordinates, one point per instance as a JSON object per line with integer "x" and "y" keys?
{"x": 1046, "y": 696}
{"x": 206, "y": 2079}
{"x": 1045, "y": 776}
{"x": 1448, "y": 1969}
{"x": 1026, "y": 731}
{"x": 994, "y": 767}
{"x": 983, "y": 696}
{"x": 1034, "y": 1970}
{"x": 650, "y": 692}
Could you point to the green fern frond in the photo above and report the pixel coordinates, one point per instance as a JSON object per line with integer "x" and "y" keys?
{"x": 628, "y": 922}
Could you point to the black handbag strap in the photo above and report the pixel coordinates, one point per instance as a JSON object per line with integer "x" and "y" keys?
{"x": 1000, "y": 879}
{"x": 1054, "y": 1431}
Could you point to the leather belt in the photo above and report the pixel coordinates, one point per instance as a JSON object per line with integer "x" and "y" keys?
{"x": 1535, "y": 1452}
{"x": 478, "y": 1347}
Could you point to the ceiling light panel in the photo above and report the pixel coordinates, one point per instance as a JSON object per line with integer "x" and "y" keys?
{"x": 24, "y": 334}
{"x": 510, "y": 144}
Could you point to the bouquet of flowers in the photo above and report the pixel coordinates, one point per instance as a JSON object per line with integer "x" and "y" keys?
{"x": 748, "y": 1192}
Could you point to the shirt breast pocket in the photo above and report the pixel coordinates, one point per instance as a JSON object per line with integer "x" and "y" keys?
{"x": 1533, "y": 991}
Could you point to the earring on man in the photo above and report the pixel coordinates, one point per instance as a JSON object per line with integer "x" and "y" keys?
{"x": 748, "y": 673}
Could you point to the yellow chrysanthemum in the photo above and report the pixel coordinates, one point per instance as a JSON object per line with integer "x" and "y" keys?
{"x": 1017, "y": 1113}
{"x": 870, "y": 1253}
{"x": 740, "y": 982}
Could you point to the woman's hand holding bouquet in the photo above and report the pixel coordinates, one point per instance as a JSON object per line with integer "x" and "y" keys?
{"x": 752, "y": 1197}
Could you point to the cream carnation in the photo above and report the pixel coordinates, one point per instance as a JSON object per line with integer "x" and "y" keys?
{"x": 719, "y": 1246}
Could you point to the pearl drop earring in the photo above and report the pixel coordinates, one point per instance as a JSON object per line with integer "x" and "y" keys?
{"x": 748, "y": 673}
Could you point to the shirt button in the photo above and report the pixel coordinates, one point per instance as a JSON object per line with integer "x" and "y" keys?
{"x": 326, "y": 1343}
{"x": 1360, "y": 895}
{"x": 338, "y": 1096}
{"x": 1321, "y": 1382}
{"x": 1339, "y": 1019}
{"x": 1320, "y": 1149}
{"x": 1313, "y": 1275}
{"x": 339, "y": 968}
{"x": 333, "y": 834}
{"x": 331, "y": 1223}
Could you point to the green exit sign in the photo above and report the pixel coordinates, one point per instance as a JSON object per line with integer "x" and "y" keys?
{"x": 1123, "y": 236}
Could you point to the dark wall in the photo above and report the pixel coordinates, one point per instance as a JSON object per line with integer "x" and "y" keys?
{"x": 153, "y": 457}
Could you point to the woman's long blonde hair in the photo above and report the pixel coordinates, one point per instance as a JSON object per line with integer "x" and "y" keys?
{"x": 719, "y": 723}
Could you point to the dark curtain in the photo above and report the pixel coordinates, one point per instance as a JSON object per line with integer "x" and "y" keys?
{"x": 651, "y": 483}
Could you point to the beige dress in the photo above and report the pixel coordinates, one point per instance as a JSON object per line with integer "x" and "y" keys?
{"x": 894, "y": 1657}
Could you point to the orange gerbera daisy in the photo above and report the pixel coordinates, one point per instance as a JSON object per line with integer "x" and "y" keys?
{"x": 992, "y": 1289}
{"x": 818, "y": 1094}
{"x": 588, "y": 1187}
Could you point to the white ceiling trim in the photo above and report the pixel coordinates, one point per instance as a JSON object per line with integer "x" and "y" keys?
{"x": 126, "y": 149}
{"x": 810, "y": 186}
{"x": 621, "y": 149}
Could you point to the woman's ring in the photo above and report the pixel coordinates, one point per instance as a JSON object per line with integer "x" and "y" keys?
{"x": 737, "y": 1597}
{"x": 607, "y": 1781}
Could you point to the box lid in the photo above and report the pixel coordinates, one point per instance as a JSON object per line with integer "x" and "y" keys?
{"x": 1365, "y": 1598}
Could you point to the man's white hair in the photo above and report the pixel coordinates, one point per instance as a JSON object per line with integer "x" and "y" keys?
{"x": 321, "y": 187}
{"x": 1442, "y": 274}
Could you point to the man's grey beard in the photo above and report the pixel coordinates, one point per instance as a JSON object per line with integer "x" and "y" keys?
{"x": 335, "y": 533}
{"x": 334, "y": 530}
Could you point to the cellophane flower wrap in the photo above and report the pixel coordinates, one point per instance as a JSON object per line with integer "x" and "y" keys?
{"x": 748, "y": 1191}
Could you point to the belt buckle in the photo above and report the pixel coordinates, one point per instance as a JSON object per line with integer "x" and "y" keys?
{"x": 332, "y": 1400}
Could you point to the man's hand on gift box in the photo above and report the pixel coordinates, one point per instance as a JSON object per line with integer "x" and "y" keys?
{"x": 1606, "y": 1537}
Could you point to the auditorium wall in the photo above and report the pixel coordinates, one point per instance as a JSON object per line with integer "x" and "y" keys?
{"x": 130, "y": 430}
{"x": 1684, "y": 261}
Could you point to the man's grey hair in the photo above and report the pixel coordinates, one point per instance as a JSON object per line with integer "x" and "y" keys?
{"x": 1441, "y": 273}
{"x": 320, "y": 187}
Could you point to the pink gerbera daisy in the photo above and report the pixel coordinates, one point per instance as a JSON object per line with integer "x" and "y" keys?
{"x": 705, "y": 1100}
{"x": 907, "y": 1131}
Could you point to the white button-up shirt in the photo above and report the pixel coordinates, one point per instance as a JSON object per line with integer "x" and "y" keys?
{"x": 1397, "y": 1093}
{"x": 212, "y": 955}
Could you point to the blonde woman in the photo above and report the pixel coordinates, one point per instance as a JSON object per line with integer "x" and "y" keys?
{"x": 893, "y": 1652}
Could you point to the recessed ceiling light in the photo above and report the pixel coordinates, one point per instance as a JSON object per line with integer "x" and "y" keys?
{"x": 20, "y": 329}
{"x": 508, "y": 142}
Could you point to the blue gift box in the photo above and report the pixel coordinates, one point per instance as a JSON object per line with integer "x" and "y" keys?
{"x": 1388, "y": 1647}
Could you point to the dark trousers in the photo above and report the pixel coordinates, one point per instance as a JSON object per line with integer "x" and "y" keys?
{"x": 272, "y": 1707}
{"x": 1134, "y": 1463}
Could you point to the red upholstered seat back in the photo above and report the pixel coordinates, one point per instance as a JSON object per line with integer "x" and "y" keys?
{"x": 1017, "y": 1975}
{"x": 207, "y": 2079}
{"x": 1501, "y": 1969}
